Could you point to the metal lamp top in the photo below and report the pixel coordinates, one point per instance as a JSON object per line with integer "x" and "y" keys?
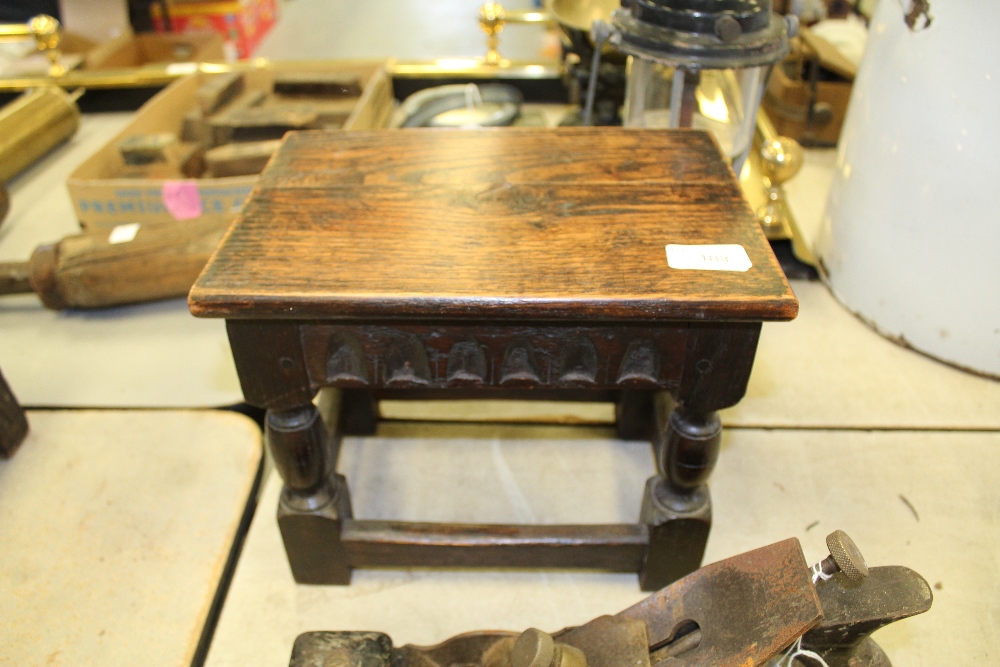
{"x": 709, "y": 34}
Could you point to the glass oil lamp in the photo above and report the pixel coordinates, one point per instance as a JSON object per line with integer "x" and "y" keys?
{"x": 701, "y": 64}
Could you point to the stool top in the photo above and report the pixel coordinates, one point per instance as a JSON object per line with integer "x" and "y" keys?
{"x": 504, "y": 224}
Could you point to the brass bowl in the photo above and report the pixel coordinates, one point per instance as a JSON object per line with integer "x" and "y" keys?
{"x": 580, "y": 14}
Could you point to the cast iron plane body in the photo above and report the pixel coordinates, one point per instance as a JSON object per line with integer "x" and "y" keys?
{"x": 750, "y": 609}
{"x": 506, "y": 263}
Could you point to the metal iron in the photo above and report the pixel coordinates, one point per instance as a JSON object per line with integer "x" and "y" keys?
{"x": 854, "y": 609}
{"x": 746, "y": 610}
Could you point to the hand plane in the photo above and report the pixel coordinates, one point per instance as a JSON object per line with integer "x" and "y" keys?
{"x": 766, "y": 606}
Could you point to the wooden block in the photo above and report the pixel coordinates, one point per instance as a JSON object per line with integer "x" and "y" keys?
{"x": 160, "y": 156}
{"x": 194, "y": 127}
{"x": 191, "y": 159}
{"x": 218, "y": 90}
{"x": 246, "y": 100}
{"x": 240, "y": 159}
{"x": 319, "y": 84}
{"x": 259, "y": 124}
{"x": 143, "y": 149}
{"x": 329, "y": 113}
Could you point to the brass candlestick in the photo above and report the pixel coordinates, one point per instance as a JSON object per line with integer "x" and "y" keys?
{"x": 780, "y": 159}
{"x": 47, "y": 32}
{"x": 492, "y": 19}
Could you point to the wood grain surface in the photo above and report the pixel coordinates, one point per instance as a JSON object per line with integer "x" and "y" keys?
{"x": 610, "y": 547}
{"x": 504, "y": 224}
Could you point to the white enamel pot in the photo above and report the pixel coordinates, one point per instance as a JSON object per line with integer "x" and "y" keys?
{"x": 910, "y": 240}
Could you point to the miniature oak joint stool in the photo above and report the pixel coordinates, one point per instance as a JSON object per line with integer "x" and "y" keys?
{"x": 504, "y": 263}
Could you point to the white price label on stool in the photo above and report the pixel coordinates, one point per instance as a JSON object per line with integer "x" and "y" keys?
{"x": 725, "y": 257}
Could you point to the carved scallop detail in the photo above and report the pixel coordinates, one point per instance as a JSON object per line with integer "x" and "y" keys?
{"x": 345, "y": 361}
{"x": 641, "y": 364}
{"x": 466, "y": 363}
{"x": 578, "y": 362}
{"x": 406, "y": 362}
{"x": 520, "y": 367}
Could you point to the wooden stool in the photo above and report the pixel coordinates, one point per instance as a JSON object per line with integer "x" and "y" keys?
{"x": 493, "y": 264}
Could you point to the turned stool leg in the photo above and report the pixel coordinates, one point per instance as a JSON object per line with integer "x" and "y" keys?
{"x": 691, "y": 449}
{"x": 314, "y": 501}
{"x": 677, "y": 507}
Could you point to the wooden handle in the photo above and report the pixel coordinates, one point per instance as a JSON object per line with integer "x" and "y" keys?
{"x": 111, "y": 268}
{"x": 15, "y": 278}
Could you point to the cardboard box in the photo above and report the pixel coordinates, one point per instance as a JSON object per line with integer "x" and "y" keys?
{"x": 807, "y": 94}
{"x": 127, "y": 50}
{"x": 97, "y": 20}
{"x": 103, "y": 199}
{"x": 150, "y": 48}
{"x": 24, "y": 59}
{"x": 241, "y": 23}
{"x": 96, "y": 34}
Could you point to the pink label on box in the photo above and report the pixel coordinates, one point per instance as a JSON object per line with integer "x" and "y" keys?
{"x": 182, "y": 199}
